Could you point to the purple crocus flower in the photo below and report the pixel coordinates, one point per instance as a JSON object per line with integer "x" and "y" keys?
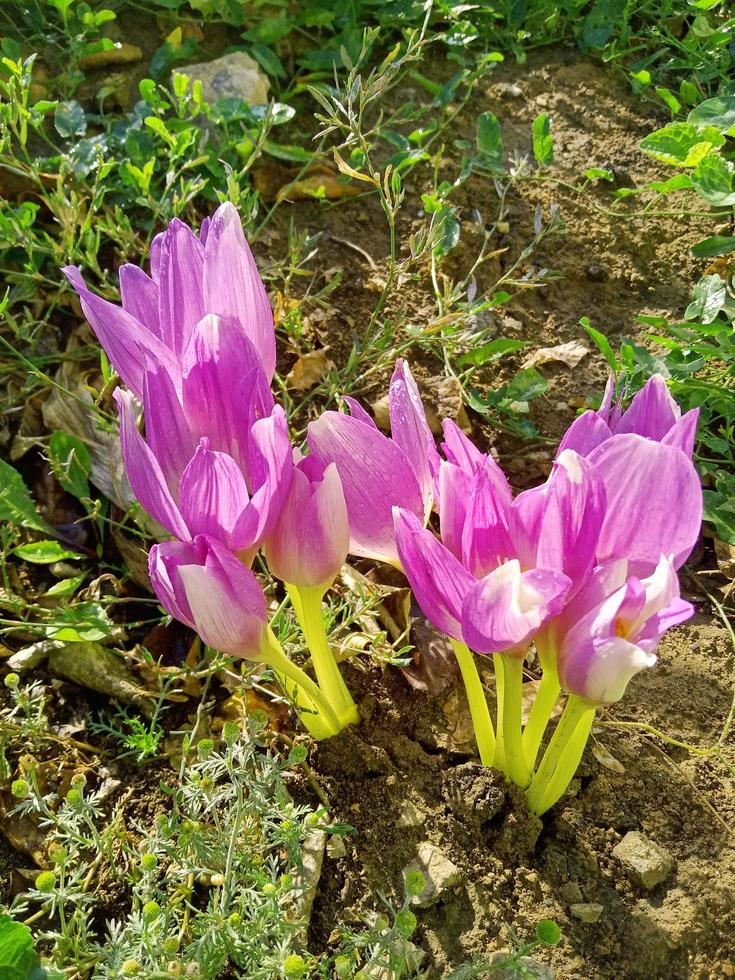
{"x": 190, "y": 278}
{"x": 652, "y": 413}
{"x": 610, "y": 630}
{"x": 378, "y": 473}
{"x": 310, "y": 540}
{"x": 202, "y": 584}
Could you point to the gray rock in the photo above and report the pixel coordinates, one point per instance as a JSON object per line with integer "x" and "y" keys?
{"x": 570, "y": 893}
{"x": 646, "y": 863}
{"x": 410, "y": 816}
{"x": 586, "y": 911}
{"x": 437, "y": 869}
{"x": 233, "y": 76}
{"x": 533, "y": 968}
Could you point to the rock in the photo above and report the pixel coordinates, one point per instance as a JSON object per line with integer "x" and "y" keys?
{"x": 336, "y": 847}
{"x": 586, "y": 912}
{"x": 301, "y": 900}
{"x": 570, "y": 893}
{"x": 120, "y": 54}
{"x": 645, "y": 862}
{"x": 410, "y": 816}
{"x": 437, "y": 869}
{"x": 473, "y": 792}
{"x": 526, "y": 966}
{"x": 233, "y": 76}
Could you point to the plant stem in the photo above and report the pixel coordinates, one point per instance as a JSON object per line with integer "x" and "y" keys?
{"x": 562, "y": 755}
{"x": 307, "y": 603}
{"x": 499, "y": 761}
{"x": 515, "y": 759}
{"x": 313, "y": 708}
{"x": 479, "y": 711}
{"x": 538, "y": 719}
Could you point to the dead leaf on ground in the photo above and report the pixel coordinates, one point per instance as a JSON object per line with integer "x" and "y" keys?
{"x": 99, "y": 669}
{"x": 122, "y": 54}
{"x": 434, "y": 666}
{"x": 725, "y": 554}
{"x": 21, "y": 832}
{"x": 309, "y": 370}
{"x": 607, "y": 759}
{"x": 276, "y": 183}
{"x": 299, "y": 907}
{"x": 570, "y": 354}
{"x": 442, "y": 398}
{"x": 134, "y": 557}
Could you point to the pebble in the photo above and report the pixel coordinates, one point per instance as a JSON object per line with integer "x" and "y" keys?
{"x": 526, "y": 966}
{"x": 233, "y": 76}
{"x": 410, "y": 815}
{"x": 586, "y": 911}
{"x": 570, "y": 893}
{"x": 645, "y": 862}
{"x": 437, "y": 869}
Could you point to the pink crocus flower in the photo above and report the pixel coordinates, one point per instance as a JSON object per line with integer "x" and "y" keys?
{"x": 652, "y": 413}
{"x": 378, "y": 472}
{"x": 190, "y": 278}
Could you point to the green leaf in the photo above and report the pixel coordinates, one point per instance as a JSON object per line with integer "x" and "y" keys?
{"x": 490, "y": 140}
{"x": 449, "y": 229}
{"x": 716, "y": 245}
{"x": 681, "y": 144}
{"x": 18, "y": 959}
{"x": 44, "y": 552}
{"x": 707, "y": 299}
{"x": 71, "y": 463}
{"x": 525, "y": 386}
{"x": 492, "y": 351}
{"x": 713, "y": 179}
{"x": 669, "y": 99}
{"x": 282, "y": 151}
{"x": 70, "y": 119}
{"x": 16, "y": 505}
{"x": 600, "y": 22}
{"x": 602, "y": 343}
{"x": 543, "y": 141}
{"x": 718, "y": 112}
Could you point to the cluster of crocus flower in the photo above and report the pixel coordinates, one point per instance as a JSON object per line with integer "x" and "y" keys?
{"x": 584, "y": 567}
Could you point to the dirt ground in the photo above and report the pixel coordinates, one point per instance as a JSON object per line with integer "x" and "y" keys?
{"x": 515, "y": 869}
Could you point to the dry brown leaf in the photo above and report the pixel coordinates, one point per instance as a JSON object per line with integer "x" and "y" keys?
{"x": 99, "y": 669}
{"x": 434, "y": 666}
{"x": 122, "y": 54}
{"x": 21, "y": 832}
{"x": 606, "y": 759}
{"x": 309, "y": 370}
{"x": 570, "y": 354}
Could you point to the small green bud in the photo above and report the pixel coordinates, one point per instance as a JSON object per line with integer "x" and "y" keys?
{"x": 151, "y": 911}
{"x": 217, "y": 881}
{"x": 286, "y": 882}
{"x": 381, "y": 923}
{"x": 297, "y": 755}
{"x": 148, "y": 862}
{"x": 343, "y": 967}
{"x": 130, "y": 968}
{"x": 548, "y": 932}
{"x": 74, "y": 797}
{"x": 46, "y": 881}
{"x": 311, "y": 820}
{"x": 415, "y": 883}
{"x": 230, "y": 732}
{"x": 294, "y": 966}
{"x": 171, "y": 945}
{"x": 58, "y": 853}
{"x": 406, "y": 923}
{"x": 204, "y": 749}
{"x": 20, "y": 789}
{"x": 235, "y": 919}
{"x": 269, "y": 888}
{"x": 207, "y": 784}
{"x": 257, "y": 720}
{"x": 174, "y": 968}
{"x": 79, "y": 781}
{"x": 12, "y": 681}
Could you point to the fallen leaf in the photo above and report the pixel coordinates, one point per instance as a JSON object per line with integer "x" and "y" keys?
{"x": 99, "y": 669}
{"x": 121, "y": 54}
{"x": 276, "y": 183}
{"x": 21, "y": 832}
{"x": 606, "y": 759}
{"x": 434, "y": 666}
{"x": 570, "y": 354}
{"x": 309, "y": 370}
{"x": 301, "y": 901}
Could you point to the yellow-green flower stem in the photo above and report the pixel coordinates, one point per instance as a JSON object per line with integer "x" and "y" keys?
{"x": 314, "y": 710}
{"x": 499, "y": 761}
{"x": 562, "y": 755}
{"x": 479, "y": 711}
{"x": 543, "y": 705}
{"x": 307, "y": 603}
{"x": 512, "y": 704}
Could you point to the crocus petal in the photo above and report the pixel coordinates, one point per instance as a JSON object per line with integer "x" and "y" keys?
{"x": 233, "y": 287}
{"x": 213, "y": 493}
{"x": 410, "y": 431}
{"x": 504, "y": 610}
{"x": 181, "y": 296}
{"x": 215, "y": 363}
{"x": 126, "y": 341}
{"x": 599, "y": 670}
{"x": 155, "y": 256}
{"x": 144, "y": 471}
{"x": 270, "y": 462}
{"x": 227, "y": 603}
{"x": 310, "y": 540}
{"x": 573, "y": 515}
{"x": 453, "y": 495}
{"x": 683, "y": 433}
{"x": 585, "y": 433}
{"x": 164, "y": 561}
{"x": 375, "y": 475}
{"x": 459, "y": 449}
{"x": 439, "y": 582}
{"x": 204, "y": 230}
{"x": 652, "y": 411}
{"x": 661, "y": 608}
{"x": 486, "y": 541}
{"x": 166, "y": 428}
{"x": 607, "y": 399}
{"x": 654, "y": 501}
{"x": 139, "y": 295}
{"x": 524, "y": 521}
{"x": 357, "y": 411}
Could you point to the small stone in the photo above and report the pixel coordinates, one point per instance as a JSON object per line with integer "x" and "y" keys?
{"x": 437, "y": 869}
{"x": 526, "y": 966}
{"x": 336, "y": 847}
{"x": 571, "y": 894}
{"x": 410, "y": 816}
{"x": 233, "y": 76}
{"x": 586, "y": 911}
{"x": 645, "y": 862}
